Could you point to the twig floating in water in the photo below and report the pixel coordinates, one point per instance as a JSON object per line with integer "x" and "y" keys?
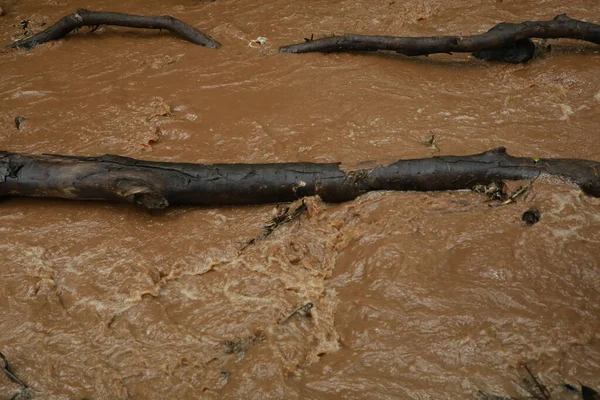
{"x": 84, "y": 17}
{"x": 544, "y": 392}
{"x": 284, "y": 215}
{"x": 11, "y": 375}
{"x": 508, "y": 42}
{"x": 304, "y": 311}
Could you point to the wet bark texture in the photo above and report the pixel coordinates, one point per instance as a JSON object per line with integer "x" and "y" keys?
{"x": 508, "y": 42}
{"x": 84, "y": 17}
{"x": 156, "y": 185}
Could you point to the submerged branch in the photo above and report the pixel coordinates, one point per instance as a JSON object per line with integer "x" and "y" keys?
{"x": 84, "y": 17}
{"x": 156, "y": 185}
{"x": 284, "y": 215}
{"x": 508, "y": 42}
{"x": 11, "y": 375}
{"x": 531, "y": 384}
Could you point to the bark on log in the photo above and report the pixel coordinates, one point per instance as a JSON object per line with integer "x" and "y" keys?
{"x": 84, "y": 17}
{"x": 156, "y": 185}
{"x": 506, "y": 42}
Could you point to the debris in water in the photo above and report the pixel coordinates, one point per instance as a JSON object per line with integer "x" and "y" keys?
{"x": 24, "y": 24}
{"x": 161, "y": 109}
{"x": 234, "y": 347}
{"x": 2, "y": 11}
{"x": 494, "y": 191}
{"x": 28, "y": 28}
{"x": 304, "y": 311}
{"x": 284, "y": 215}
{"x": 531, "y": 216}
{"x": 19, "y": 122}
{"x": 589, "y": 394}
{"x": 431, "y": 143}
{"x": 531, "y": 384}
{"x": 260, "y": 40}
{"x": 537, "y": 384}
{"x": 566, "y": 110}
{"x": 24, "y": 393}
{"x": 239, "y": 346}
{"x": 520, "y": 191}
{"x": 570, "y": 388}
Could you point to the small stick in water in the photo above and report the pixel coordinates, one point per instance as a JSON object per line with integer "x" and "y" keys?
{"x": 11, "y": 375}
{"x": 304, "y": 311}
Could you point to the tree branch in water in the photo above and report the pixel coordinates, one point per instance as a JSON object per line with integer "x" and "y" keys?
{"x": 508, "y": 42}
{"x": 11, "y": 375}
{"x": 84, "y": 17}
{"x": 156, "y": 185}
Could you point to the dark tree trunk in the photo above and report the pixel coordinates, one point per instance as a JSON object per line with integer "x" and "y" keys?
{"x": 506, "y": 42}
{"x": 84, "y": 17}
{"x": 156, "y": 185}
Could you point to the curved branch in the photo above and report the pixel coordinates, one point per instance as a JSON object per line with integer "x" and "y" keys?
{"x": 506, "y": 42}
{"x": 156, "y": 185}
{"x": 84, "y": 17}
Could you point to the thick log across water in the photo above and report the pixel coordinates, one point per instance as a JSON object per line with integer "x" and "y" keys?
{"x": 508, "y": 42}
{"x": 156, "y": 185}
{"x": 84, "y": 17}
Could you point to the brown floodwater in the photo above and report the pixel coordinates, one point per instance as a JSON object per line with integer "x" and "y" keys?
{"x": 416, "y": 295}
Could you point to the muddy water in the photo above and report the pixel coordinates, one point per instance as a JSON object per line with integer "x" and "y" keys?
{"x": 416, "y": 295}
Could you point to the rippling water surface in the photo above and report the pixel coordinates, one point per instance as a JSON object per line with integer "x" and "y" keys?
{"x": 416, "y": 295}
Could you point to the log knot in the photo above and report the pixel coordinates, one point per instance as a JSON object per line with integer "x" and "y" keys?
{"x": 141, "y": 194}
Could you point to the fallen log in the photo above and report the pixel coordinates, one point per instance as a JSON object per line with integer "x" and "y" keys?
{"x": 84, "y": 17}
{"x": 156, "y": 185}
{"x": 508, "y": 42}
